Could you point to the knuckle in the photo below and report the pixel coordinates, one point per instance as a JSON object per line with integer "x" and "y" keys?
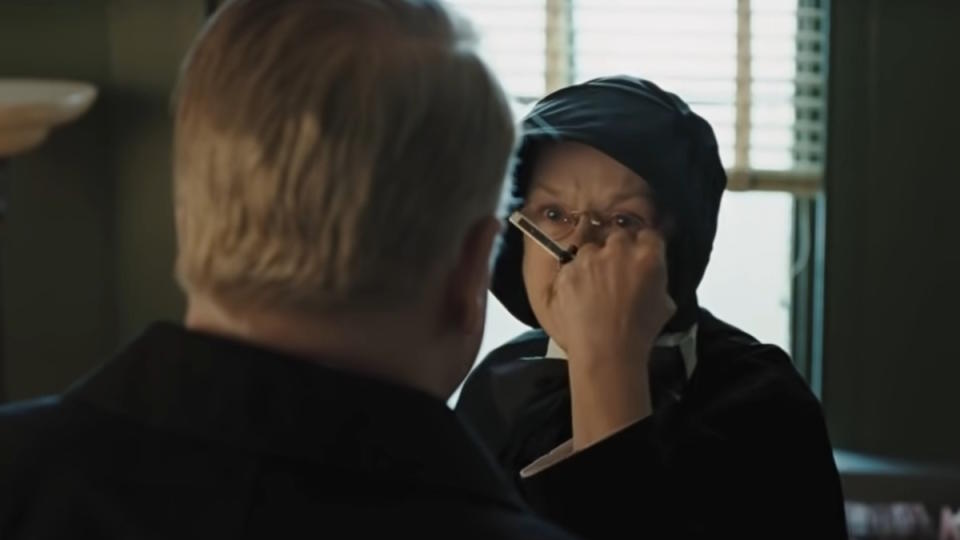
{"x": 587, "y": 249}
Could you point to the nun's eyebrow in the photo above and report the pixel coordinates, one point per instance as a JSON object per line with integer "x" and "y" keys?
{"x": 626, "y": 195}
{"x": 549, "y": 189}
{"x": 643, "y": 193}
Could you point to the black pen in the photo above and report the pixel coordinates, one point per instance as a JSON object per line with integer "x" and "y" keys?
{"x": 527, "y": 227}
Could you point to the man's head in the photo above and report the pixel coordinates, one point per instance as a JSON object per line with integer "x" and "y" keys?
{"x": 336, "y": 157}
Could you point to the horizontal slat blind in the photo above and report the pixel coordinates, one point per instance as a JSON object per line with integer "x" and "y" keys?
{"x": 755, "y": 69}
{"x": 513, "y": 40}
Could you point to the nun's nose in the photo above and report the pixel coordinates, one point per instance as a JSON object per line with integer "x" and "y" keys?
{"x": 589, "y": 229}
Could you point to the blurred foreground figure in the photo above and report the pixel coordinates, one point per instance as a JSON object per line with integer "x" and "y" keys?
{"x": 338, "y": 164}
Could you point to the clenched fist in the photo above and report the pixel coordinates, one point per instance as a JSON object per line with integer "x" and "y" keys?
{"x": 612, "y": 299}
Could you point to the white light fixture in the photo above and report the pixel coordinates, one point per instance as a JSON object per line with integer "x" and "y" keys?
{"x": 31, "y": 108}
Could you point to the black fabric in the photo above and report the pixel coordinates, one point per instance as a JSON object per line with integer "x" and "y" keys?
{"x": 655, "y": 134}
{"x": 744, "y": 452}
{"x": 185, "y": 435}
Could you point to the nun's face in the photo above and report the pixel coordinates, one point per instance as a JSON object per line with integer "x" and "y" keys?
{"x": 578, "y": 195}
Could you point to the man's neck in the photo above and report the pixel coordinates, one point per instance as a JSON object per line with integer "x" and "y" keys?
{"x": 384, "y": 344}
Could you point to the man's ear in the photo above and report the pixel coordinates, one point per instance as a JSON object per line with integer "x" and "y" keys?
{"x": 469, "y": 279}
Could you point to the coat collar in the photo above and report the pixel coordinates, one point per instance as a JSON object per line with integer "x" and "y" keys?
{"x": 685, "y": 342}
{"x": 262, "y": 401}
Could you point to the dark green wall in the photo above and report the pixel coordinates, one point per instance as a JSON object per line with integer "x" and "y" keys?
{"x": 891, "y": 353}
{"x": 88, "y": 245}
{"x": 58, "y": 254}
{"x": 148, "y": 42}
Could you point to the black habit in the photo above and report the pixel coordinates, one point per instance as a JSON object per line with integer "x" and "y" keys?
{"x": 739, "y": 450}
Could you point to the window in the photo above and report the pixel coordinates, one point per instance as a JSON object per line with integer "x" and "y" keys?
{"x": 753, "y": 68}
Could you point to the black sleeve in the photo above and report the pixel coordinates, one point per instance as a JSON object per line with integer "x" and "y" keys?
{"x": 751, "y": 460}
{"x": 478, "y": 407}
{"x": 499, "y": 388}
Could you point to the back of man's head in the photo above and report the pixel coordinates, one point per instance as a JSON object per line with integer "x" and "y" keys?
{"x": 330, "y": 152}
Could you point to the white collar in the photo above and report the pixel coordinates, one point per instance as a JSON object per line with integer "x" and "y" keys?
{"x": 687, "y": 341}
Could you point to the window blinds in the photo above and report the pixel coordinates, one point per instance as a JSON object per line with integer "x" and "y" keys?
{"x": 755, "y": 69}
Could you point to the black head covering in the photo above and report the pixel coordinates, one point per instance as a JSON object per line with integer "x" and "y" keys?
{"x": 655, "y": 134}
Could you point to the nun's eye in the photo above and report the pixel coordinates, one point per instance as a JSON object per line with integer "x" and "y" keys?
{"x": 629, "y": 221}
{"x": 552, "y": 213}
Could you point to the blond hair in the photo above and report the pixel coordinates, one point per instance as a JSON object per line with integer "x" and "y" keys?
{"x": 332, "y": 151}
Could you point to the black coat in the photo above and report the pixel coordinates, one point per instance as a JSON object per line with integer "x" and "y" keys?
{"x": 743, "y": 453}
{"x": 184, "y": 435}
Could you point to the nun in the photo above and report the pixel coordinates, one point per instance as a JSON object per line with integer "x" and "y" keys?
{"x": 630, "y": 411}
